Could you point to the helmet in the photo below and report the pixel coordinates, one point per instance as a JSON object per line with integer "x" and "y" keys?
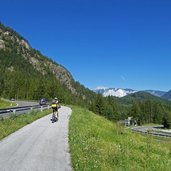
{"x": 56, "y": 98}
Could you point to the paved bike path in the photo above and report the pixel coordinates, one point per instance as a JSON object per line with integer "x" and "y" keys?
{"x": 39, "y": 146}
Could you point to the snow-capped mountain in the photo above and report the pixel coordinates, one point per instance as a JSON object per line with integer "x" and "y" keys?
{"x": 120, "y": 92}
{"x": 117, "y": 92}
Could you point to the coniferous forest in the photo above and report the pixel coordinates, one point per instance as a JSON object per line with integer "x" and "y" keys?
{"x": 26, "y": 74}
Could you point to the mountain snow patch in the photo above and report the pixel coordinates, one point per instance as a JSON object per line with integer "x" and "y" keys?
{"x": 117, "y": 92}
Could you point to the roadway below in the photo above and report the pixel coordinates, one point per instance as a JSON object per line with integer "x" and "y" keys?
{"x": 153, "y": 130}
{"x": 25, "y": 103}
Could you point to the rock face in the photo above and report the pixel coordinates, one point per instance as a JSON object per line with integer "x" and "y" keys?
{"x": 12, "y": 41}
{"x": 62, "y": 75}
{"x": 2, "y": 44}
{"x": 25, "y": 44}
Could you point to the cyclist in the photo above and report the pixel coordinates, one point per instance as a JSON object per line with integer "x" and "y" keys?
{"x": 55, "y": 106}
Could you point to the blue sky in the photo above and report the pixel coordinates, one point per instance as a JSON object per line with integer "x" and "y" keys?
{"x": 111, "y": 43}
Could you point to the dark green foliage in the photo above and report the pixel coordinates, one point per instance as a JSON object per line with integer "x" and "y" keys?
{"x": 26, "y": 74}
{"x": 148, "y": 109}
{"x": 143, "y": 107}
{"x": 20, "y": 78}
{"x": 108, "y": 107}
{"x": 166, "y": 121}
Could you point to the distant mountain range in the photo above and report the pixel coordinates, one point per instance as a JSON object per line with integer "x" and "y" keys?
{"x": 121, "y": 92}
{"x": 28, "y": 74}
{"x": 167, "y": 95}
{"x": 156, "y": 92}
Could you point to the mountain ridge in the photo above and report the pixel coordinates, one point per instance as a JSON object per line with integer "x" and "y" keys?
{"x": 26, "y": 74}
{"x": 23, "y": 66}
{"x": 167, "y": 95}
{"x": 9, "y": 37}
{"x": 121, "y": 92}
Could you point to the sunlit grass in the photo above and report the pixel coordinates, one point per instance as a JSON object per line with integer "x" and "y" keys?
{"x": 4, "y": 103}
{"x": 10, "y": 125}
{"x": 98, "y": 144}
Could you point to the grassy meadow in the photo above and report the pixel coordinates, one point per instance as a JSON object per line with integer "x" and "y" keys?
{"x": 13, "y": 123}
{"x": 97, "y": 144}
{"x": 4, "y": 103}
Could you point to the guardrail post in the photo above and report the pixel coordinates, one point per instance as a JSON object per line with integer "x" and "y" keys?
{"x": 14, "y": 111}
{"x": 41, "y": 108}
{"x": 31, "y": 108}
{"x": 48, "y": 107}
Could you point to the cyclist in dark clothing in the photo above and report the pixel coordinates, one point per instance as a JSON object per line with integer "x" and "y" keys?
{"x": 55, "y": 106}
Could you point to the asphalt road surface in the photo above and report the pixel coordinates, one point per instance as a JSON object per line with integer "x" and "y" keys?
{"x": 25, "y": 103}
{"x": 39, "y": 146}
{"x": 153, "y": 130}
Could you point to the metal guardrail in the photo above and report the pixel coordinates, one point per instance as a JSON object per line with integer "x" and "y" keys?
{"x": 153, "y": 132}
{"x": 5, "y": 112}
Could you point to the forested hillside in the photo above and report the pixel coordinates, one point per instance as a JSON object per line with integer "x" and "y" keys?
{"x": 27, "y": 74}
{"x": 147, "y": 108}
{"x": 143, "y": 107}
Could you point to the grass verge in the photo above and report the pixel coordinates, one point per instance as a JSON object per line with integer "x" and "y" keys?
{"x": 12, "y": 124}
{"x": 98, "y": 144}
{"x": 4, "y": 103}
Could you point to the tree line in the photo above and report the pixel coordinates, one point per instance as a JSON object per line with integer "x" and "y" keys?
{"x": 20, "y": 80}
{"x": 143, "y": 111}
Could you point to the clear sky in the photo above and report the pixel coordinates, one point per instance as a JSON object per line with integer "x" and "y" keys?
{"x": 111, "y": 43}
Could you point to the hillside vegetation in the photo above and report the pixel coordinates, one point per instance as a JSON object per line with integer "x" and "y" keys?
{"x": 13, "y": 123}
{"x": 143, "y": 107}
{"x": 4, "y": 104}
{"x": 26, "y": 74}
{"x": 99, "y": 144}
